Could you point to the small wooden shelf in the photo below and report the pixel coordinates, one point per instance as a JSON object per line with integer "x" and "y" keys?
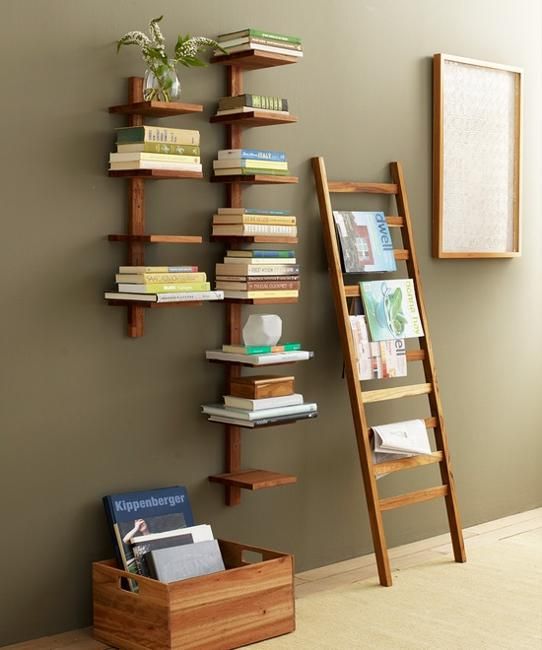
{"x": 156, "y": 174}
{"x": 254, "y": 59}
{"x": 258, "y": 367}
{"x": 254, "y": 179}
{"x": 253, "y": 479}
{"x": 255, "y": 239}
{"x": 156, "y": 109}
{"x": 157, "y": 239}
{"x": 152, "y": 305}
{"x": 262, "y": 301}
{"x": 253, "y": 118}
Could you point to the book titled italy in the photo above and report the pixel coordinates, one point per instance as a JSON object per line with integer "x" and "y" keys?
{"x": 365, "y": 240}
{"x": 391, "y": 309}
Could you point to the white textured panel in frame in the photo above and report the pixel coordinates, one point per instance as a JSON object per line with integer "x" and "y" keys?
{"x": 477, "y": 141}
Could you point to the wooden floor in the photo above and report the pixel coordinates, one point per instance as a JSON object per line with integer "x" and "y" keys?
{"x": 341, "y": 573}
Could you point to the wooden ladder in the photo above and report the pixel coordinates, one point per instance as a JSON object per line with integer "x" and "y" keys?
{"x": 358, "y": 397}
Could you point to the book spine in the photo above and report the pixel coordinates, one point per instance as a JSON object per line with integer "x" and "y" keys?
{"x": 273, "y": 286}
{"x": 259, "y": 218}
{"x": 241, "y": 211}
{"x": 158, "y": 269}
{"x": 151, "y": 157}
{"x": 160, "y": 147}
{"x": 161, "y": 278}
{"x": 264, "y": 349}
{"x": 258, "y": 269}
{"x": 256, "y": 40}
{"x": 196, "y": 295}
{"x": 164, "y": 288}
{"x": 258, "y": 228}
{"x": 256, "y": 33}
{"x": 250, "y": 171}
{"x": 252, "y": 154}
{"x": 157, "y": 134}
{"x": 269, "y": 102}
{"x": 249, "y": 163}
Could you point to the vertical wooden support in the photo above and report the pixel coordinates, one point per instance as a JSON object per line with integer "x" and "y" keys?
{"x": 441, "y": 438}
{"x": 234, "y": 199}
{"x": 354, "y": 387}
{"x": 136, "y": 214}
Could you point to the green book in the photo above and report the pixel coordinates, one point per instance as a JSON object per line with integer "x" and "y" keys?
{"x": 174, "y": 287}
{"x": 159, "y": 147}
{"x": 261, "y": 349}
{"x": 258, "y": 33}
{"x": 250, "y": 171}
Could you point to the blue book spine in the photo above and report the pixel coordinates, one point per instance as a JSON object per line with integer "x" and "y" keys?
{"x": 259, "y": 154}
{"x": 273, "y": 253}
{"x": 274, "y": 213}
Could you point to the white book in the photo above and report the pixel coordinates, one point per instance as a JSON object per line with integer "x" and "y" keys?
{"x": 408, "y": 437}
{"x": 263, "y": 48}
{"x": 155, "y": 164}
{"x": 261, "y": 404}
{"x": 263, "y": 421}
{"x": 188, "y": 296}
{"x": 259, "y": 359}
{"x": 255, "y": 154}
{"x": 238, "y": 414}
{"x": 249, "y": 163}
{"x": 160, "y": 157}
{"x": 199, "y": 533}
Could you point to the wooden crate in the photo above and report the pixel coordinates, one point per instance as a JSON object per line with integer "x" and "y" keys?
{"x": 246, "y": 603}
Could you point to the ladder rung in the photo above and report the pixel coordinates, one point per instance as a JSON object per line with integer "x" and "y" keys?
{"x": 401, "y": 254}
{"x": 407, "y": 463}
{"x": 395, "y": 222}
{"x": 368, "y": 188}
{"x": 383, "y": 394}
{"x": 413, "y": 497}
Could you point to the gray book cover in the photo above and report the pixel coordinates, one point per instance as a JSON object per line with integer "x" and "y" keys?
{"x": 181, "y": 562}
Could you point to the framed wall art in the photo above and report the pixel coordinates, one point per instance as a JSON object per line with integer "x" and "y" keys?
{"x": 476, "y": 158}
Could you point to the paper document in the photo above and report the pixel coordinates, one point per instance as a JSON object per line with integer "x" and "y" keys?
{"x": 400, "y": 439}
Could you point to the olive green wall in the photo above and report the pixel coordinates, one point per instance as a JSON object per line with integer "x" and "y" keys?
{"x": 87, "y": 411}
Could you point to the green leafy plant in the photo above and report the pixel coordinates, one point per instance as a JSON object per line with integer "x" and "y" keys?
{"x": 153, "y": 51}
{"x": 395, "y": 318}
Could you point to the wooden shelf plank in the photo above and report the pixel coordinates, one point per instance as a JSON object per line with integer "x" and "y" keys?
{"x": 254, "y": 59}
{"x": 153, "y": 174}
{"x": 253, "y": 479}
{"x": 249, "y": 119}
{"x": 158, "y": 239}
{"x": 156, "y": 109}
{"x": 254, "y": 179}
{"x": 262, "y": 301}
{"x": 153, "y": 305}
{"x": 255, "y": 239}
{"x": 366, "y": 188}
{"x": 381, "y": 395}
{"x": 413, "y": 497}
{"x": 407, "y": 463}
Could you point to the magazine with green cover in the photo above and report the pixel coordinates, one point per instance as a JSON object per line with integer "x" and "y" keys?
{"x": 391, "y": 309}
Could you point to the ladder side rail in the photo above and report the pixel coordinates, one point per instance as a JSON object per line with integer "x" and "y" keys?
{"x": 429, "y": 367}
{"x": 354, "y": 385}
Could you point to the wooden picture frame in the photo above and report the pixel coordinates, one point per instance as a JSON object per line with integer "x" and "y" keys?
{"x": 476, "y": 158}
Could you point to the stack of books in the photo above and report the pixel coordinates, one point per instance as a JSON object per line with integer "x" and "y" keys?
{"x": 260, "y": 400}
{"x": 156, "y": 147}
{"x": 248, "y": 103}
{"x": 261, "y": 41}
{"x": 258, "y": 274}
{"x": 241, "y": 162}
{"x": 246, "y": 222}
{"x": 162, "y": 284}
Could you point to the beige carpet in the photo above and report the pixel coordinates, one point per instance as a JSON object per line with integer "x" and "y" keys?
{"x": 493, "y": 601}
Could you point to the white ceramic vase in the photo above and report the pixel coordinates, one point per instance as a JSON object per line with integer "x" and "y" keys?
{"x": 262, "y": 329}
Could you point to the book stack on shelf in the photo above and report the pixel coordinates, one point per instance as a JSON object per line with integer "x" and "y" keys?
{"x": 247, "y": 103}
{"x": 256, "y": 274}
{"x": 241, "y": 162}
{"x": 261, "y": 41}
{"x": 248, "y": 222}
{"x": 162, "y": 284}
{"x": 260, "y": 400}
{"x": 156, "y": 147}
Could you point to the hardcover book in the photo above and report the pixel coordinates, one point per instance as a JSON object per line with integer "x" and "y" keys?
{"x": 238, "y": 414}
{"x": 259, "y": 359}
{"x": 132, "y": 134}
{"x": 365, "y": 240}
{"x": 251, "y": 154}
{"x": 380, "y": 360}
{"x": 391, "y": 309}
{"x": 252, "y": 424}
{"x": 182, "y": 562}
{"x": 149, "y": 511}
